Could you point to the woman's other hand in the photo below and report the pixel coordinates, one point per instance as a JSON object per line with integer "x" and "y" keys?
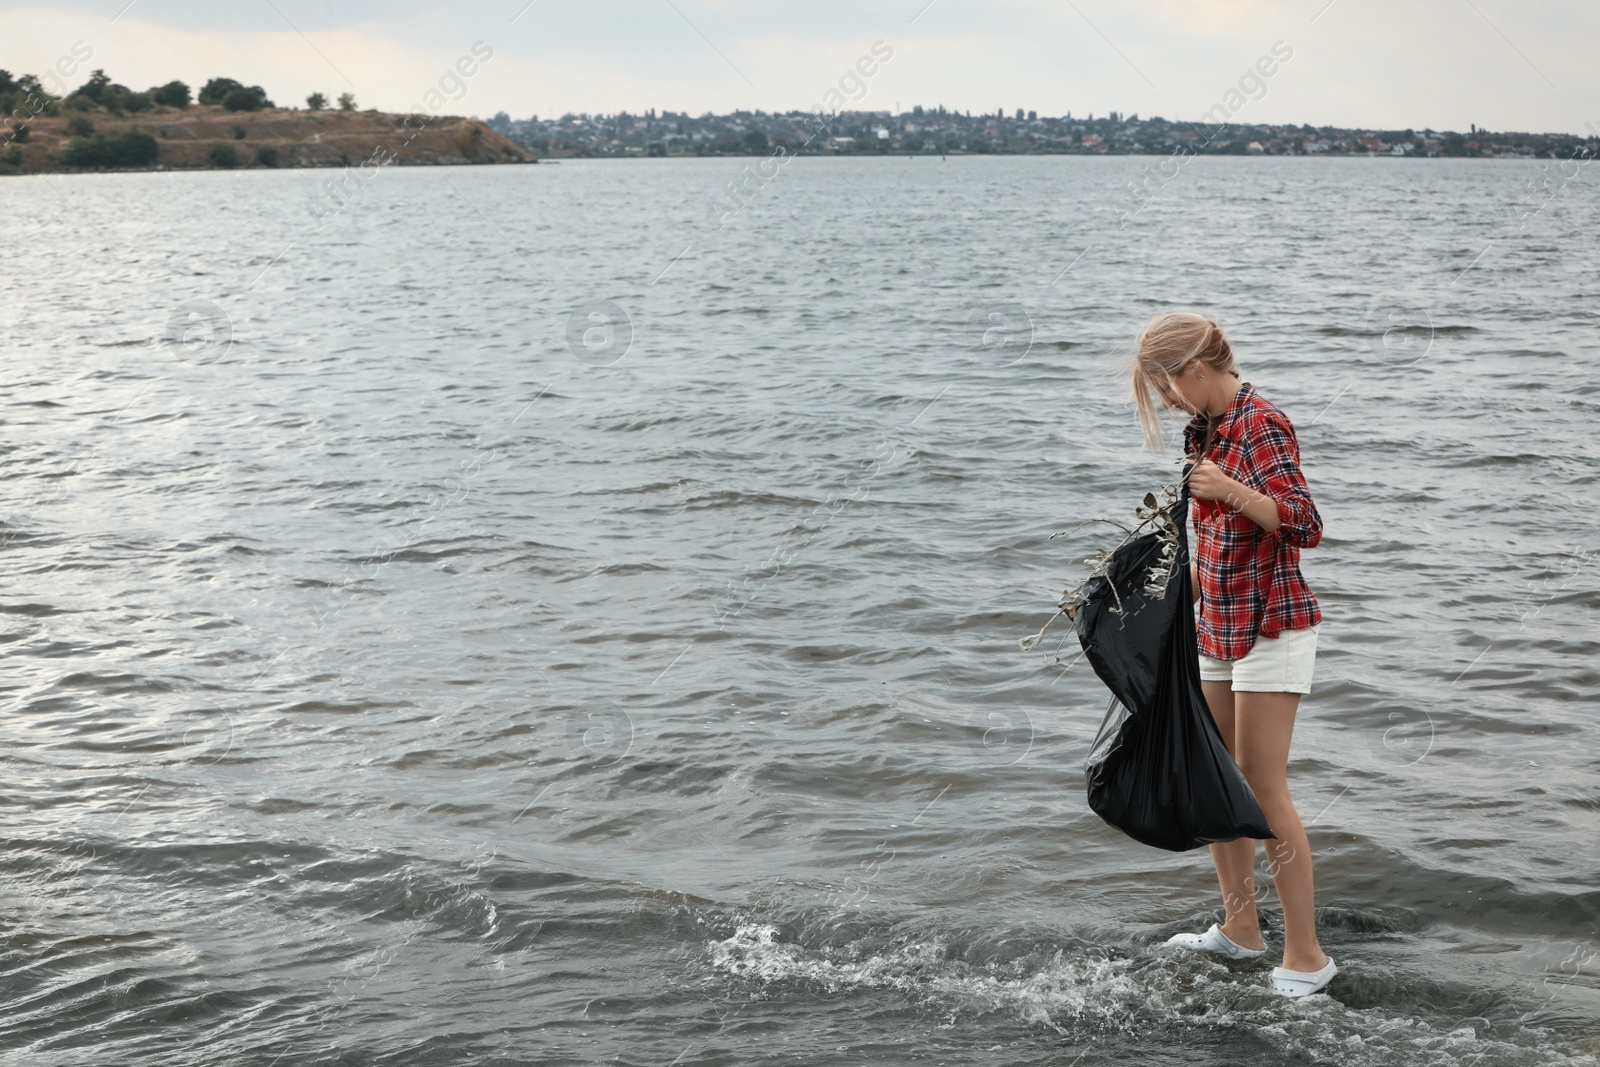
{"x": 1208, "y": 482}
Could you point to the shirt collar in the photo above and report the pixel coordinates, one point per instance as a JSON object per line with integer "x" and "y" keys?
{"x": 1236, "y": 406}
{"x": 1230, "y": 417}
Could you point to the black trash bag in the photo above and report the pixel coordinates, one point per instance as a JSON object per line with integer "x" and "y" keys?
{"x": 1159, "y": 770}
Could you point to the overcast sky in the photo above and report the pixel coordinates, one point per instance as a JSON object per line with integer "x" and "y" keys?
{"x": 1443, "y": 64}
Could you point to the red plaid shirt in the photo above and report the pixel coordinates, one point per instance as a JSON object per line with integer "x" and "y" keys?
{"x": 1250, "y": 581}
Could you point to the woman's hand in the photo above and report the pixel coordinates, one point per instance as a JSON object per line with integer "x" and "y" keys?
{"x": 1208, "y": 482}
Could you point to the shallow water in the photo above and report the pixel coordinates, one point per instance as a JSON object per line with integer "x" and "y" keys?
{"x": 399, "y": 673}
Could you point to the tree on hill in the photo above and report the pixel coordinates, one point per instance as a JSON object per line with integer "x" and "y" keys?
{"x": 217, "y": 91}
{"x": 173, "y": 94}
{"x": 122, "y": 150}
{"x": 347, "y": 102}
{"x": 95, "y": 88}
{"x": 242, "y": 99}
{"x": 214, "y": 90}
{"x": 316, "y": 101}
{"x": 22, "y": 98}
{"x": 118, "y": 98}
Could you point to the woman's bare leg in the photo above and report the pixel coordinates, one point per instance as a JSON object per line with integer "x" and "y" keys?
{"x": 1264, "y": 723}
{"x": 1234, "y": 859}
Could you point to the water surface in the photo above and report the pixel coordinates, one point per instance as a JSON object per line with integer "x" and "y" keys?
{"x": 405, "y": 667}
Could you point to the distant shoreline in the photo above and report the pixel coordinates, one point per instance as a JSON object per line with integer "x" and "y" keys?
{"x": 159, "y": 168}
{"x": 209, "y": 137}
{"x": 939, "y": 131}
{"x": 997, "y": 155}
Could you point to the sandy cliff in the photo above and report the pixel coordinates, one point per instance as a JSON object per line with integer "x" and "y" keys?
{"x": 186, "y": 139}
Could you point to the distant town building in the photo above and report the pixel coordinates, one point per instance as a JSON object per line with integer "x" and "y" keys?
{"x": 941, "y": 130}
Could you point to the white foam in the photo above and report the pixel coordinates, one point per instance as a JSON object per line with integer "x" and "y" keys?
{"x": 1086, "y": 994}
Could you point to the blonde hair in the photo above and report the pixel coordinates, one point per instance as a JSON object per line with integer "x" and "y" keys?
{"x": 1163, "y": 347}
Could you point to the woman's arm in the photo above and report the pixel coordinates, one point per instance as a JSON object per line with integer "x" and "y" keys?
{"x": 1286, "y": 510}
{"x": 1300, "y": 525}
{"x": 1259, "y": 508}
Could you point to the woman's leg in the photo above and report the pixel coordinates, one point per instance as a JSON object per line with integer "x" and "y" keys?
{"x": 1234, "y": 859}
{"x": 1264, "y": 723}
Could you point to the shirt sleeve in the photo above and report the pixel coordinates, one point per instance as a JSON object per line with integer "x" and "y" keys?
{"x": 1277, "y": 459}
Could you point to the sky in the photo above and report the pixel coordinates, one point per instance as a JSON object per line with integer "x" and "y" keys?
{"x": 1421, "y": 64}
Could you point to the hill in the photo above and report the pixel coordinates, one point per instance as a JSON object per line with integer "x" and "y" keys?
{"x": 208, "y": 137}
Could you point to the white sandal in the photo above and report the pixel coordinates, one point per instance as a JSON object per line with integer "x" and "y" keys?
{"x": 1214, "y": 940}
{"x": 1302, "y": 983}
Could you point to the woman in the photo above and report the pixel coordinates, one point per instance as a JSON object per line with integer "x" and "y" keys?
{"x": 1250, "y": 515}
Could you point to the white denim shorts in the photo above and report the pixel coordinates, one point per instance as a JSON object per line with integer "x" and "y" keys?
{"x": 1279, "y": 664}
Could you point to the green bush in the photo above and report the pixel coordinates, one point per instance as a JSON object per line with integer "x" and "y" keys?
{"x": 96, "y": 86}
{"x": 14, "y": 156}
{"x": 267, "y": 156}
{"x": 316, "y": 101}
{"x": 173, "y": 94}
{"x": 19, "y": 132}
{"x": 121, "y": 150}
{"x": 78, "y": 126}
{"x": 23, "y": 98}
{"x": 214, "y": 90}
{"x": 80, "y": 152}
{"x": 240, "y": 133}
{"x": 223, "y": 155}
{"x": 121, "y": 98}
{"x": 244, "y": 100}
{"x": 78, "y": 102}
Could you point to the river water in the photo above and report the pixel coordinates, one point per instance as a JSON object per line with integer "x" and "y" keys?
{"x": 533, "y": 615}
